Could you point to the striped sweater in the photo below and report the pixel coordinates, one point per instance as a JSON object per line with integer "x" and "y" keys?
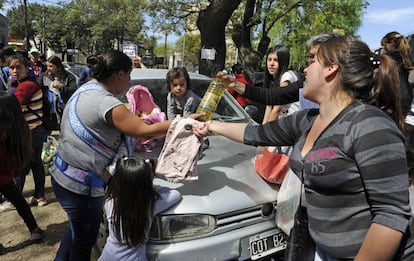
{"x": 30, "y": 97}
{"x": 354, "y": 175}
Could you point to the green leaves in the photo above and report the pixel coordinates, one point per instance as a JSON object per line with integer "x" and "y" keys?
{"x": 315, "y": 17}
{"x": 253, "y": 25}
{"x": 87, "y": 25}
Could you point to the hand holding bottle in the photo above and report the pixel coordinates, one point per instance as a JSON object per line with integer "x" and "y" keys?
{"x": 211, "y": 99}
{"x": 230, "y": 82}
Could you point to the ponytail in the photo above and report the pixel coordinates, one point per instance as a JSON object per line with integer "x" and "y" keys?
{"x": 400, "y": 43}
{"x": 404, "y": 48}
{"x": 368, "y": 77}
{"x": 385, "y": 92}
{"x": 103, "y": 65}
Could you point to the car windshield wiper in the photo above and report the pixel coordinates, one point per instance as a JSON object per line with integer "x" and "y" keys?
{"x": 221, "y": 117}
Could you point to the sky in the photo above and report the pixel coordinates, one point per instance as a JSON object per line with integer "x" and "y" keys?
{"x": 380, "y": 17}
{"x": 384, "y": 16}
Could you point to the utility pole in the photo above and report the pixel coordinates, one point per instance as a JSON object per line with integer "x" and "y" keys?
{"x": 185, "y": 33}
{"x": 43, "y": 47}
{"x": 165, "y": 49}
{"x": 26, "y": 29}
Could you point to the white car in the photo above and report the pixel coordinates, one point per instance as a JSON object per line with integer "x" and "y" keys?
{"x": 229, "y": 212}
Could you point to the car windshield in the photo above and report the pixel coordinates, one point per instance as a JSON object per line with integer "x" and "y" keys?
{"x": 227, "y": 110}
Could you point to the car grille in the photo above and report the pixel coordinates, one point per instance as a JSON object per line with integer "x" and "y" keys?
{"x": 245, "y": 217}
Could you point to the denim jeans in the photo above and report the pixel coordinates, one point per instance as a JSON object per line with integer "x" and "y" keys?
{"x": 85, "y": 215}
{"x": 39, "y": 135}
{"x": 15, "y": 197}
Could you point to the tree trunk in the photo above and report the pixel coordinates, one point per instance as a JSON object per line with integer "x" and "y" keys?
{"x": 212, "y": 22}
{"x": 249, "y": 58}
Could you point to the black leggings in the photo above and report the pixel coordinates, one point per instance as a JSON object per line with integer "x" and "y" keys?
{"x": 11, "y": 192}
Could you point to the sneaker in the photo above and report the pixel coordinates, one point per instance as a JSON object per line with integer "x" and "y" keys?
{"x": 37, "y": 235}
{"x": 6, "y": 205}
{"x": 41, "y": 202}
{"x": 38, "y": 201}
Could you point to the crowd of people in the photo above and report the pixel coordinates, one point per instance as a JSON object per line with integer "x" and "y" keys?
{"x": 350, "y": 144}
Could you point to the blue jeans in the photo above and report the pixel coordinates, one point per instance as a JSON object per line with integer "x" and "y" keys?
{"x": 39, "y": 135}
{"x": 85, "y": 215}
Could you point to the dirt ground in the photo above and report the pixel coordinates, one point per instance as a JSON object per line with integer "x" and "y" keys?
{"x": 14, "y": 234}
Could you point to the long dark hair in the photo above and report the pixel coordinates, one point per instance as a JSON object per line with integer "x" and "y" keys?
{"x": 103, "y": 65}
{"x": 134, "y": 199}
{"x": 15, "y": 136}
{"x": 283, "y": 56}
{"x": 59, "y": 65}
{"x": 370, "y": 78}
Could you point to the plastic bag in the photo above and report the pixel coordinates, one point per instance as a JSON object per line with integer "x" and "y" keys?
{"x": 48, "y": 152}
{"x": 288, "y": 201}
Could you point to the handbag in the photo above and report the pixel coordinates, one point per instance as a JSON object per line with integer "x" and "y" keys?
{"x": 300, "y": 245}
{"x": 272, "y": 167}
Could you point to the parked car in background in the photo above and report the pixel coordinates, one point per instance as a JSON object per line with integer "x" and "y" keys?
{"x": 73, "y": 73}
{"x": 73, "y": 68}
{"x": 229, "y": 212}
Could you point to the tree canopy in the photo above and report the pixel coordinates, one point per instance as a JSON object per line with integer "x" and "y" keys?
{"x": 252, "y": 26}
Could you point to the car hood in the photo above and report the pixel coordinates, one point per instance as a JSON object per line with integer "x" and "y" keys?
{"x": 227, "y": 181}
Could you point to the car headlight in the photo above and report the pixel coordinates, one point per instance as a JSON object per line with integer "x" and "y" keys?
{"x": 179, "y": 226}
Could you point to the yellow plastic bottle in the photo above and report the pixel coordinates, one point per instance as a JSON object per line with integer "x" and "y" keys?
{"x": 211, "y": 99}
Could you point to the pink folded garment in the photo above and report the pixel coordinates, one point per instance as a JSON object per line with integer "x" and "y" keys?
{"x": 181, "y": 152}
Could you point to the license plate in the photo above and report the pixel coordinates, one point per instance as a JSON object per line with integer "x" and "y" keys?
{"x": 267, "y": 243}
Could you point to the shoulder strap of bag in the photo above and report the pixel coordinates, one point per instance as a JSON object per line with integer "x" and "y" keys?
{"x": 81, "y": 130}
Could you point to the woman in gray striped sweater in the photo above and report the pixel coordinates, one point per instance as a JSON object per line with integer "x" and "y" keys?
{"x": 350, "y": 153}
